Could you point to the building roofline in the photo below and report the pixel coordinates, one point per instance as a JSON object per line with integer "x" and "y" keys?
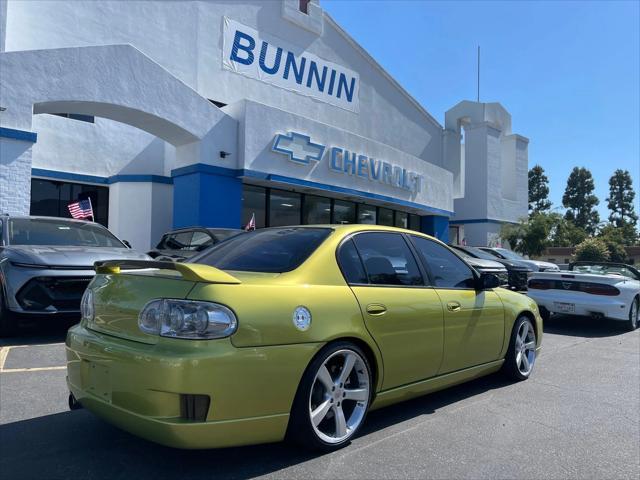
{"x": 379, "y": 67}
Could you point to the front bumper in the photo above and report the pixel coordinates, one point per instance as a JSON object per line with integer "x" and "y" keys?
{"x": 140, "y": 387}
{"x": 584, "y": 303}
{"x": 49, "y": 291}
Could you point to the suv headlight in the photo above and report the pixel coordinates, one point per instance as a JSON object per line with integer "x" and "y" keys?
{"x": 187, "y": 319}
{"x": 87, "y": 309}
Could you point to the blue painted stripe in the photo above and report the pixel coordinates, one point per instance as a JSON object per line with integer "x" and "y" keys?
{"x": 140, "y": 178}
{"x": 77, "y": 177}
{"x": 72, "y": 177}
{"x": 18, "y": 134}
{"x": 479, "y": 220}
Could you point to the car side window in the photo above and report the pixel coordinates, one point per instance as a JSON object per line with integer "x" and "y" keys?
{"x": 178, "y": 241}
{"x": 200, "y": 241}
{"x": 387, "y": 259}
{"x": 350, "y": 263}
{"x": 445, "y": 268}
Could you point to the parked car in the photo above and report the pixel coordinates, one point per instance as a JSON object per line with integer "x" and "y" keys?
{"x": 485, "y": 266}
{"x": 597, "y": 289}
{"x": 183, "y": 243}
{"x": 46, "y": 263}
{"x": 289, "y": 331}
{"x": 517, "y": 271}
{"x": 536, "y": 265}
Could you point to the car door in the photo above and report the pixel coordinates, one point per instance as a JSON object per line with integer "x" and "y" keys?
{"x": 473, "y": 319}
{"x": 404, "y": 316}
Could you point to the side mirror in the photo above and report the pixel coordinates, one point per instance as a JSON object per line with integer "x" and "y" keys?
{"x": 127, "y": 244}
{"x": 487, "y": 281}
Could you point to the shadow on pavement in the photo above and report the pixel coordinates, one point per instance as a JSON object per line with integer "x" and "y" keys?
{"x": 39, "y": 331}
{"x": 587, "y": 327}
{"x": 79, "y": 445}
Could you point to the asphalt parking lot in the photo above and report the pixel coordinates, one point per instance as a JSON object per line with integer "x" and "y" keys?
{"x": 577, "y": 417}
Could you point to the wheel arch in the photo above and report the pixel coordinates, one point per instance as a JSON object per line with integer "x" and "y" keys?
{"x": 529, "y": 314}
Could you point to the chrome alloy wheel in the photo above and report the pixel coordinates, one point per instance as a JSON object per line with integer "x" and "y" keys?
{"x": 525, "y": 348}
{"x": 339, "y": 396}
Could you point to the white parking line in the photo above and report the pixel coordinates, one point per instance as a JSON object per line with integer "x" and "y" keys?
{"x": 4, "y": 351}
{"x": 34, "y": 369}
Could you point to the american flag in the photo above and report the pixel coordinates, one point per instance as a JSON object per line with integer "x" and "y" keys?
{"x": 81, "y": 209}
{"x": 252, "y": 223}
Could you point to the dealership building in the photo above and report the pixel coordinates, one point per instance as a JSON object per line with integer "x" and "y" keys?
{"x": 177, "y": 113}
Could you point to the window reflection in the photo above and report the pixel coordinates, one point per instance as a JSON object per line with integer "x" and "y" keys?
{"x": 316, "y": 210}
{"x": 284, "y": 208}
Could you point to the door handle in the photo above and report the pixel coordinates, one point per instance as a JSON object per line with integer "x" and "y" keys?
{"x": 376, "y": 309}
{"x": 453, "y": 306}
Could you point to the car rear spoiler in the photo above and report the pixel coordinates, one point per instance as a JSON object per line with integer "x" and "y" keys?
{"x": 190, "y": 271}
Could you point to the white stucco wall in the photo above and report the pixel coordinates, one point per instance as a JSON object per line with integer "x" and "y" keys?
{"x": 185, "y": 37}
{"x": 140, "y": 212}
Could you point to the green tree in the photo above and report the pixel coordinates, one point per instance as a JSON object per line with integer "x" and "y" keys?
{"x": 620, "y": 200}
{"x": 538, "y": 191}
{"x": 592, "y": 249}
{"x": 580, "y": 201}
{"x": 565, "y": 233}
{"x": 531, "y": 235}
{"x": 616, "y": 239}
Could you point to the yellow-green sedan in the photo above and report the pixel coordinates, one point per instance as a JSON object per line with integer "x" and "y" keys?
{"x": 292, "y": 332}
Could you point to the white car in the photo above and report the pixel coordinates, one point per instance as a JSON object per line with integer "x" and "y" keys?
{"x": 596, "y": 289}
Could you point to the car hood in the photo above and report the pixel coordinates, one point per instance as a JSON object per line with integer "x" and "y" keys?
{"x": 69, "y": 256}
{"x": 544, "y": 265}
{"x": 516, "y": 265}
{"x": 483, "y": 264}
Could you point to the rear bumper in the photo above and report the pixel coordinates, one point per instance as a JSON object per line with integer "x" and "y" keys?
{"x": 585, "y": 304}
{"x": 139, "y": 387}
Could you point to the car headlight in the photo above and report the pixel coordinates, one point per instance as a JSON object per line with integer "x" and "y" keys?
{"x": 87, "y": 309}
{"x": 187, "y": 319}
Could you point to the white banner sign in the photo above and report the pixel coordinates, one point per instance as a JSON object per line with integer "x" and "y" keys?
{"x": 271, "y": 60}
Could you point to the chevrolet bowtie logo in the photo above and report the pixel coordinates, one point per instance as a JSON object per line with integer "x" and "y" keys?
{"x": 298, "y": 147}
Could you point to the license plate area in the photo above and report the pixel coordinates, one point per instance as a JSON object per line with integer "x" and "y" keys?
{"x": 563, "y": 307}
{"x": 97, "y": 380}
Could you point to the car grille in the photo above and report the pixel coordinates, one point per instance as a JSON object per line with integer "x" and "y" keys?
{"x": 53, "y": 294}
{"x": 518, "y": 279}
{"x": 194, "y": 407}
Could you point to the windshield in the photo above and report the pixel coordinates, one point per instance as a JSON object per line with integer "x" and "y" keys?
{"x": 59, "y": 232}
{"x": 509, "y": 254}
{"x": 273, "y": 250}
{"x": 604, "y": 269}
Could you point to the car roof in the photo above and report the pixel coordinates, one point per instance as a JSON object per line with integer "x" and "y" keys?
{"x": 43, "y": 217}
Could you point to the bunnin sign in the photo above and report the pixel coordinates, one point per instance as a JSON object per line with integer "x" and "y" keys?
{"x": 299, "y": 148}
{"x": 271, "y": 60}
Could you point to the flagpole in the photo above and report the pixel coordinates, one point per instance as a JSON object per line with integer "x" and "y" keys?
{"x": 91, "y": 206}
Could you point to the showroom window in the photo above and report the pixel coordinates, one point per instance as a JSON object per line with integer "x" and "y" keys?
{"x": 344, "y": 212}
{"x": 50, "y": 198}
{"x": 367, "y": 214}
{"x": 274, "y": 207}
{"x": 284, "y": 208}
{"x": 316, "y": 210}
{"x": 402, "y": 220}
{"x": 254, "y": 201}
{"x": 385, "y": 217}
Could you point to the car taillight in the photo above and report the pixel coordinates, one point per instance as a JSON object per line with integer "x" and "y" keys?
{"x": 538, "y": 284}
{"x": 599, "y": 289}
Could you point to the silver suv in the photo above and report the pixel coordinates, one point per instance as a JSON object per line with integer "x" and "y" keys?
{"x": 46, "y": 264}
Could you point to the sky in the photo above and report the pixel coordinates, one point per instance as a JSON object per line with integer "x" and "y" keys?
{"x": 568, "y": 72}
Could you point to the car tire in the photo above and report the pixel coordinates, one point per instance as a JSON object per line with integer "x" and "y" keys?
{"x": 521, "y": 355}
{"x": 329, "y": 407}
{"x": 8, "y": 320}
{"x": 634, "y": 315}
